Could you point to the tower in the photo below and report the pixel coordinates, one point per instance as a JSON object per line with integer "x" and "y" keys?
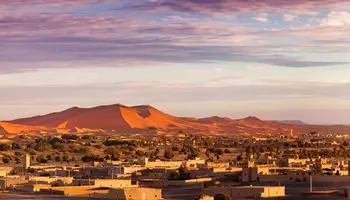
{"x": 27, "y": 161}
{"x": 291, "y": 133}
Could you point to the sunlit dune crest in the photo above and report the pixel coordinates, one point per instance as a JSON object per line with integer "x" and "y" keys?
{"x": 16, "y": 128}
{"x": 119, "y": 118}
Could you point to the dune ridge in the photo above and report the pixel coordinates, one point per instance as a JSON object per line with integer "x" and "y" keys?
{"x": 119, "y": 118}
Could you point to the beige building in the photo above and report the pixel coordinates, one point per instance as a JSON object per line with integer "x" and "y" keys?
{"x": 247, "y": 191}
{"x": 251, "y": 174}
{"x": 195, "y": 163}
{"x": 135, "y": 194}
{"x": 115, "y": 183}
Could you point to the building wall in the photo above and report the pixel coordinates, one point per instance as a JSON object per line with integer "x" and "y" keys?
{"x": 230, "y": 169}
{"x": 135, "y": 194}
{"x": 132, "y": 169}
{"x": 154, "y": 183}
{"x": 164, "y": 164}
{"x": 48, "y": 180}
{"x": 218, "y": 165}
{"x": 273, "y": 192}
{"x": 7, "y": 182}
{"x": 113, "y": 183}
{"x": 246, "y": 192}
{"x": 194, "y": 163}
{"x": 73, "y": 190}
{"x": 249, "y": 174}
{"x": 3, "y": 173}
{"x": 103, "y": 182}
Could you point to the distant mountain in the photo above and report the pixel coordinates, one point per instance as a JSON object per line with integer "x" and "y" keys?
{"x": 294, "y": 122}
{"x": 119, "y": 118}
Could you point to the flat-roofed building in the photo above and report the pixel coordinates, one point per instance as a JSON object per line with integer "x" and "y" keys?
{"x": 135, "y": 193}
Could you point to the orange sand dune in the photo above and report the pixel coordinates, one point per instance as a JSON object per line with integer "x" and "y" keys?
{"x": 16, "y": 128}
{"x": 123, "y": 119}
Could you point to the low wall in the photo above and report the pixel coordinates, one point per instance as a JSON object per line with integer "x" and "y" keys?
{"x": 73, "y": 191}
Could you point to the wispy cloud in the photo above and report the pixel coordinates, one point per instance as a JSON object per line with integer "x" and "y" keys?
{"x": 213, "y": 6}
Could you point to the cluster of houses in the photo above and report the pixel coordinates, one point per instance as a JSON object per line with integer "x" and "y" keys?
{"x": 116, "y": 180}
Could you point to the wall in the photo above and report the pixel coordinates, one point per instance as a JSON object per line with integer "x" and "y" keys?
{"x": 218, "y": 165}
{"x": 48, "y": 180}
{"x": 73, "y": 190}
{"x": 249, "y": 174}
{"x": 135, "y": 194}
{"x": 164, "y": 164}
{"x": 7, "y": 182}
{"x": 153, "y": 183}
{"x": 103, "y": 182}
{"x": 194, "y": 163}
{"x": 273, "y": 192}
{"x": 113, "y": 183}
{"x": 132, "y": 169}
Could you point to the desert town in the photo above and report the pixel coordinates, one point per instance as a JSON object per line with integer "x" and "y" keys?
{"x": 183, "y": 167}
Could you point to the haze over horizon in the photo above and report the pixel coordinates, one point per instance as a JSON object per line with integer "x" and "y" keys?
{"x": 229, "y": 58}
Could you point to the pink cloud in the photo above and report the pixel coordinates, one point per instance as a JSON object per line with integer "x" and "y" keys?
{"x": 214, "y": 6}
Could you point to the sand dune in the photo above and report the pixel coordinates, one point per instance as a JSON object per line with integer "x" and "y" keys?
{"x": 123, "y": 119}
{"x": 16, "y": 128}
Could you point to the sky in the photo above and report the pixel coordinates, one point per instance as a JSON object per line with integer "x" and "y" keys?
{"x": 274, "y": 59}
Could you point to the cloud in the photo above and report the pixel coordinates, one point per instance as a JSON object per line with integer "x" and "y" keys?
{"x": 69, "y": 41}
{"x": 217, "y": 6}
{"x": 337, "y": 18}
{"x": 204, "y": 71}
{"x": 261, "y": 19}
{"x": 73, "y": 40}
{"x": 289, "y": 17}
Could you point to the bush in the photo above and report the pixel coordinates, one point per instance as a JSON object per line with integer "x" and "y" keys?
{"x": 41, "y": 159}
{"x": 15, "y": 146}
{"x": 5, "y": 147}
{"x": 175, "y": 148}
{"x": 70, "y": 137}
{"x": 90, "y": 158}
{"x": 5, "y": 160}
{"x": 66, "y": 158}
{"x": 227, "y": 151}
{"x": 58, "y": 158}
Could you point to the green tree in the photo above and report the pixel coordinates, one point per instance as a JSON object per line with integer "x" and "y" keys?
{"x": 168, "y": 154}
{"x": 15, "y": 146}
{"x": 139, "y": 153}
